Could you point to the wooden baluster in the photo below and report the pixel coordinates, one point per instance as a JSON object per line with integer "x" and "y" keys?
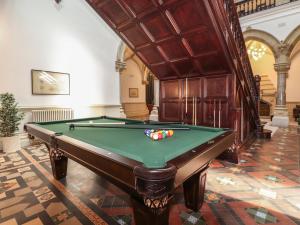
{"x": 263, "y": 4}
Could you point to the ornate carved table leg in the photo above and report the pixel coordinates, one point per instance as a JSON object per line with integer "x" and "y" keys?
{"x": 145, "y": 215}
{"x": 231, "y": 154}
{"x": 194, "y": 189}
{"x": 59, "y": 163}
{"x": 31, "y": 139}
{"x": 154, "y": 187}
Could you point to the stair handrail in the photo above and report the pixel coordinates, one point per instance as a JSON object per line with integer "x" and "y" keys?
{"x": 237, "y": 35}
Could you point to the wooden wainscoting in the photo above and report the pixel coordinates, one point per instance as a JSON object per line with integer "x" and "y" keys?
{"x": 291, "y": 106}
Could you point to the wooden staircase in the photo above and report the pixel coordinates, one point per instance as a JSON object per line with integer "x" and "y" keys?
{"x": 267, "y": 91}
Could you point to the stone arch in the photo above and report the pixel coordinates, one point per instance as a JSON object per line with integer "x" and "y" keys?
{"x": 292, "y": 40}
{"x": 120, "y": 62}
{"x": 264, "y": 37}
{"x": 125, "y": 59}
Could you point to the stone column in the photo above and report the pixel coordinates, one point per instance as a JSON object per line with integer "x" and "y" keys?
{"x": 120, "y": 67}
{"x": 154, "y": 112}
{"x": 281, "y": 117}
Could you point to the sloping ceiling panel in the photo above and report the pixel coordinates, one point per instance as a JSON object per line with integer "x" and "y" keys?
{"x": 174, "y": 38}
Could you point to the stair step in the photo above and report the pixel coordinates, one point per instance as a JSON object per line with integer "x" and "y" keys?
{"x": 268, "y": 89}
{"x": 266, "y": 84}
{"x": 268, "y": 95}
{"x": 265, "y": 80}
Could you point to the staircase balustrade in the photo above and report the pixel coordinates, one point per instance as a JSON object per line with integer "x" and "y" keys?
{"x": 237, "y": 34}
{"x": 247, "y": 7}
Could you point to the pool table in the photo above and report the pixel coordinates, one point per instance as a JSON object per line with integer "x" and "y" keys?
{"x": 149, "y": 171}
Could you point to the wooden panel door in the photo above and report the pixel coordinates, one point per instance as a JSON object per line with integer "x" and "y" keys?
{"x": 192, "y": 89}
{"x": 170, "y": 100}
{"x": 216, "y": 101}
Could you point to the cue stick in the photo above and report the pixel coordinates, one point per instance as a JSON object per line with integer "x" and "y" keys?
{"x": 118, "y": 123}
{"x": 161, "y": 123}
{"x": 193, "y": 122}
{"x": 214, "y": 112}
{"x": 196, "y": 102}
{"x": 72, "y": 126}
{"x": 186, "y": 94}
{"x": 192, "y": 110}
{"x": 209, "y": 109}
{"x": 220, "y": 112}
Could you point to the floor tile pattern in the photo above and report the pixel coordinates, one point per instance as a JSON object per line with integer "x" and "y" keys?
{"x": 263, "y": 189}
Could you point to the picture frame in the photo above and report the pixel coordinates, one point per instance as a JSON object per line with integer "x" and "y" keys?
{"x": 133, "y": 92}
{"x": 49, "y": 83}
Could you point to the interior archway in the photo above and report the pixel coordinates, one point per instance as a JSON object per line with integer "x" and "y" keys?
{"x": 292, "y": 40}
{"x": 262, "y": 62}
{"x": 263, "y": 37}
{"x": 135, "y": 85}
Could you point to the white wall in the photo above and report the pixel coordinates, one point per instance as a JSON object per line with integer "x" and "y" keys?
{"x": 71, "y": 38}
{"x": 279, "y": 21}
{"x": 293, "y": 80}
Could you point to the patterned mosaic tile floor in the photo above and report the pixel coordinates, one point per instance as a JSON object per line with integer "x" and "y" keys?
{"x": 263, "y": 189}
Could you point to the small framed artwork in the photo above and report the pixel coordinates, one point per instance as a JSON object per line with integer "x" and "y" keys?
{"x": 50, "y": 83}
{"x": 133, "y": 92}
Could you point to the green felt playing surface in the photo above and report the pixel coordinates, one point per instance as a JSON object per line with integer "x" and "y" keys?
{"x": 133, "y": 143}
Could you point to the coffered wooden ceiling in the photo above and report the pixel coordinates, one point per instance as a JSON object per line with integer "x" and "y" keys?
{"x": 174, "y": 38}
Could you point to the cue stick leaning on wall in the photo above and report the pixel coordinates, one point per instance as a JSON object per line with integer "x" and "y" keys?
{"x": 220, "y": 105}
{"x": 214, "y": 112}
{"x": 196, "y": 111}
{"x": 186, "y": 97}
{"x": 193, "y": 114}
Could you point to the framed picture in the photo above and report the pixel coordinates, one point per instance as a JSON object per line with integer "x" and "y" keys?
{"x": 133, "y": 92}
{"x": 50, "y": 83}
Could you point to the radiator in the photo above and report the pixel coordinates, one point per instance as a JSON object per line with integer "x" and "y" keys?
{"x": 45, "y": 115}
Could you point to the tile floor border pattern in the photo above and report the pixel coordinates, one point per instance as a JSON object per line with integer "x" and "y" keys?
{"x": 91, "y": 215}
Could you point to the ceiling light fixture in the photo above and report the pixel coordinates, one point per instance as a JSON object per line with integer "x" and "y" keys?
{"x": 257, "y": 51}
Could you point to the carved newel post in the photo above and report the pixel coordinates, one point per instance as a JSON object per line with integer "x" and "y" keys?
{"x": 257, "y": 79}
{"x": 282, "y": 67}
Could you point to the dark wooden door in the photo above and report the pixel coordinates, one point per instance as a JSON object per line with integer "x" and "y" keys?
{"x": 192, "y": 95}
{"x": 171, "y": 100}
{"x": 217, "y": 93}
{"x": 212, "y": 97}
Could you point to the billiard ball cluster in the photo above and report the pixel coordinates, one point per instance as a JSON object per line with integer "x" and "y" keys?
{"x": 156, "y": 135}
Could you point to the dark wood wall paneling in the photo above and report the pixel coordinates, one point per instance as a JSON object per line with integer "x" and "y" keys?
{"x": 209, "y": 92}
